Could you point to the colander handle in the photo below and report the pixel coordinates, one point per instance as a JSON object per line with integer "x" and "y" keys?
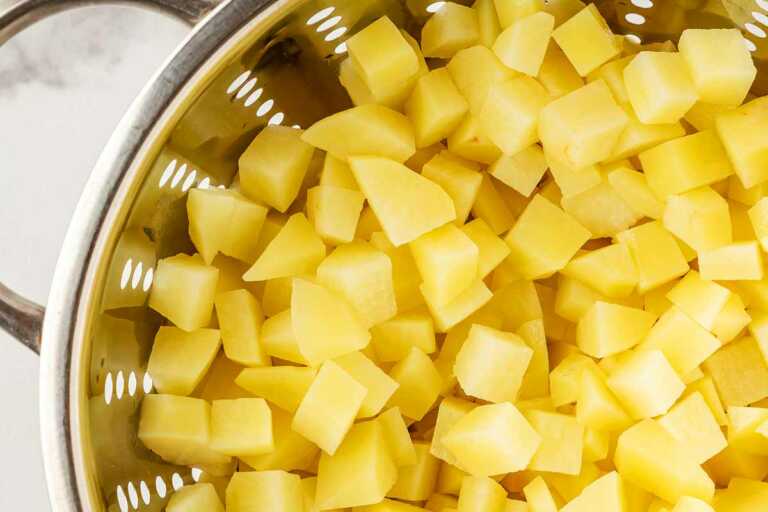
{"x": 22, "y": 318}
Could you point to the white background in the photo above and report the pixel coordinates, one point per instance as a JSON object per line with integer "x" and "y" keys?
{"x": 64, "y": 84}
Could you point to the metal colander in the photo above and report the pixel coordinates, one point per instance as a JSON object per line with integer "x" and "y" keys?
{"x": 249, "y": 63}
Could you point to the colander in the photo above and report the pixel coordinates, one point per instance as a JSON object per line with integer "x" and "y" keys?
{"x": 245, "y": 64}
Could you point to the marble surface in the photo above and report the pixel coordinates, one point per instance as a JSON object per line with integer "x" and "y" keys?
{"x": 64, "y": 84}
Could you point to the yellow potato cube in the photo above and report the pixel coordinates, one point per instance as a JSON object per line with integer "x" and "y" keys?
{"x": 219, "y": 383}
{"x": 597, "y": 444}
{"x": 360, "y": 473}
{"x": 292, "y": 451}
{"x": 405, "y": 275}
{"x": 689, "y": 504}
{"x": 491, "y": 207}
{"x": 470, "y": 141}
{"x": 451, "y": 478}
{"x": 398, "y": 438}
{"x": 278, "y": 338}
{"x": 685, "y": 163}
{"x": 742, "y": 261}
{"x": 742, "y": 494}
{"x": 748, "y": 429}
{"x": 571, "y": 181}
{"x": 606, "y": 494}
{"x": 195, "y": 498}
{"x": 701, "y": 299}
{"x": 417, "y": 482}
{"x": 569, "y": 486}
{"x": 601, "y": 210}
{"x": 646, "y": 384}
{"x": 269, "y": 230}
{"x": 740, "y": 372}
{"x": 509, "y": 11}
{"x": 396, "y": 193}
{"x": 633, "y": 189}
{"x": 659, "y": 87}
{"x": 334, "y": 212}
{"x": 372, "y": 130}
{"x": 180, "y": 359}
{"x": 758, "y": 215}
{"x": 608, "y": 329}
{"x": 297, "y": 249}
{"x": 582, "y": 127}
{"x": 240, "y": 319}
{"x": 702, "y": 116}
{"x": 284, "y": 386}
{"x": 539, "y": 497}
{"x": 638, "y": 137}
{"x": 510, "y": 114}
{"x": 277, "y": 295}
{"x": 329, "y": 407}
{"x": 447, "y": 260}
{"x": 596, "y": 406}
{"x": 561, "y": 445}
{"x": 740, "y": 131}
{"x": 452, "y": 28}
{"x": 694, "y": 426}
{"x": 587, "y": 40}
{"x": 523, "y": 44}
{"x": 652, "y": 459}
{"x": 419, "y": 384}
{"x": 732, "y": 319}
{"x": 380, "y": 386}
{"x": 460, "y": 178}
{"x": 684, "y": 343}
{"x": 481, "y": 493}
{"x": 274, "y": 165}
{"x": 488, "y": 25}
{"x": 557, "y": 74}
{"x": 573, "y": 298}
{"x": 544, "y": 239}
{"x": 536, "y": 378}
{"x": 210, "y": 213}
{"x": 492, "y": 249}
{"x": 435, "y": 107}
{"x": 656, "y": 253}
{"x": 719, "y": 64}
{"x": 612, "y": 73}
{"x": 337, "y": 173}
{"x": 700, "y": 218}
{"x": 392, "y": 340}
{"x": 522, "y": 170}
{"x": 610, "y": 270}
{"x": 732, "y": 465}
{"x": 565, "y": 379}
{"x": 324, "y": 324}
{"x": 450, "y": 411}
{"x": 469, "y": 301}
{"x": 474, "y": 71}
{"x": 178, "y": 429}
{"x": 183, "y": 291}
{"x": 241, "y": 427}
{"x": 265, "y": 490}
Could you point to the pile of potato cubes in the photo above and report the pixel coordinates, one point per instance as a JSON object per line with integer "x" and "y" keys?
{"x": 525, "y": 274}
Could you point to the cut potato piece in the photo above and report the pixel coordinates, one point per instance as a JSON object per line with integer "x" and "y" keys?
{"x": 474, "y": 70}
{"x": 742, "y": 261}
{"x": 491, "y": 207}
{"x": 419, "y": 384}
{"x": 701, "y": 299}
{"x": 241, "y": 427}
{"x": 608, "y": 329}
{"x": 183, "y": 291}
{"x": 470, "y": 141}
{"x": 334, "y": 212}
{"x": 740, "y": 131}
{"x": 740, "y": 372}
{"x": 692, "y": 423}
{"x": 417, "y": 482}
{"x": 596, "y": 406}
{"x": 700, "y": 218}
{"x": 292, "y": 451}
{"x": 646, "y": 384}
{"x": 379, "y": 385}
{"x": 561, "y": 445}
{"x": 265, "y": 490}
{"x": 210, "y": 213}
{"x": 611, "y": 270}
{"x": 656, "y": 253}
{"x": 179, "y": 359}
{"x": 481, "y": 493}
{"x": 435, "y": 107}
{"x": 659, "y": 87}
{"x": 638, "y": 136}
{"x": 452, "y": 28}
{"x": 557, "y": 74}
{"x": 278, "y": 337}
{"x": 522, "y": 170}
{"x": 195, "y": 498}
{"x": 392, "y": 340}
{"x": 523, "y": 44}
{"x": 469, "y": 301}
{"x": 284, "y": 386}
{"x": 586, "y": 40}
{"x": 397, "y": 436}
{"x": 509, "y": 11}
{"x": 606, "y": 494}
{"x": 487, "y": 21}
{"x": 539, "y": 497}
{"x": 240, "y": 319}
{"x": 492, "y": 249}
{"x": 337, "y": 173}
{"x": 460, "y": 178}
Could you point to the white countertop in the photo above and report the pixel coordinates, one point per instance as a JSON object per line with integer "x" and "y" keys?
{"x": 64, "y": 84}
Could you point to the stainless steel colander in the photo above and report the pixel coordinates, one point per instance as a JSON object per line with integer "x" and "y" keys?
{"x": 246, "y": 63}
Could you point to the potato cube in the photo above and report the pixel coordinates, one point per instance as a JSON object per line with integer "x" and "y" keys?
{"x": 179, "y": 359}
{"x": 646, "y": 384}
{"x": 492, "y": 440}
{"x": 557, "y": 74}
{"x": 417, "y": 482}
{"x": 405, "y": 274}
{"x": 392, "y": 340}
{"x": 740, "y": 132}
{"x": 447, "y": 260}
{"x": 450, "y": 411}
{"x": 689, "y": 504}
{"x": 363, "y": 276}
{"x": 536, "y": 378}
{"x": 452, "y": 28}
{"x": 659, "y": 87}
{"x": 733, "y": 318}
{"x": 277, "y": 295}
{"x": 469, "y": 141}
{"x": 700, "y": 218}
{"x": 278, "y": 338}
{"x": 686, "y": 163}
{"x": 195, "y": 498}
{"x": 481, "y": 493}
{"x": 596, "y": 406}
{"x": 561, "y": 442}
{"x": 487, "y": 23}
{"x": 178, "y": 429}
{"x": 329, "y": 407}
{"x": 597, "y": 444}
{"x": 269, "y": 230}
{"x": 469, "y": 301}
{"x": 612, "y": 73}
{"x": 638, "y": 137}
{"x": 565, "y": 379}
{"x": 701, "y": 299}
{"x": 600, "y": 209}
{"x": 360, "y": 473}
{"x": 569, "y": 180}
{"x": 740, "y": 372}
{"x": 241, "y": 427}
{"x": 719, "y": 64}
{"x": 742, "y": 494}
{"x": 474, "y": 71}
{"x": 220, "y": 384}
{"x": 748, "y": 429}
{"x": 656, "y": 253}
{"x": 758, "y": 216}
{"x": 324, "y": 324}
{"x": 435, "y": 107}
{"x": 509, "y": 11}
{"x": 683, "y": 342}
{"x": 337, "y": 173}
{"x": 539, "y": 497}
{"x": 522, "y": 170}
{"x": 419, "y": 384}
{"x": 510, "y": 114}
{"x": 582, "y": 127}
{"x": 398, "y": 438}
{"x": 731, "y": 465}
{"x": 633, "y": 189}
{"x": 297, "y": 249}
{"x": 610, "y": 270}
{"x": 544, "y": 239}
{"x": 210, "y": 213}
{"x": 573, "y": 298}
{"x": 396, "y": 193}
{"x": 240, "y": 319}
{"x": 334, "y": 212}
{"x": 694, "y": 426}
{"x": 491, "y": 207}
{"x": 284, "y": 386}
{"x": 523, "y": 44}
{"x": 607, "y": 494}
{"x": 292, "y": 451}
{"x": 652, "y": 459}
{"x": 379, "y": 385}
{"x": 742, "y": 261}
{"x": 460, "y": 178}
{"x": 586, "y": 40}
{"x": 265, "y": 490}
{"x": 607, "y": 329}
{"x": 183, "y": 291}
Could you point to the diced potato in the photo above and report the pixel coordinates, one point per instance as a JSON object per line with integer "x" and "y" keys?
{"x": 179, "y": 359}
{"x": 740, "y": 372}
{"x": 539, "y": 497}
{"x": 586, "y": 40}
{"x": 469, "y": 301}
{"x": 510, "y": 114}
{"x": 492, "y": 249}
{"x": 435, "y": 107}
{"x": 334, "y": 212}
{"x": 561, "y": 445}
{"x": 487, "y": 23}
{"x": 610, "y": 270}
{"x": 659, "y": 87}
{"x": 360, "y": 473}
{"x": 582, "y": 127}
{"x": 656, "y": 254}
{"x": 284, "y": 386}
{"x": 272, "y": 226}
{"x": 372, "y": 130}
{"x": 460, "y": 178}
{"x": 742, "y": 261}
{"x": 329, "y": 407}
{"x": 596, "y": 406}
{"x": 481, "y": 493}
{"x": 571, "y": 181}
{"x": 491, "y": 207}
{"x": 646, "y": 384}
{"x": 700, "y": 218}
{"x": 649, "y": 457}
{"x": 701, "y": 299}
{"x": 573, "y": 298}
{"x": 638, "y": 136}
{"x": 292, "y": 451}
{"x": 474, "y": 70}
{"x": 277, "y": 295}
{"x": 240, "y": 319}
{"x": 544, "y": 239}
{"x": 732, "y": 464}
{"x": 419, "y": 384}
{"x": 740, "y": 131}
{"x": 405, "y": 275}
{"x": 733, "y": 318}
{"x": 379, "y": 385}
{"x": 396, "y": 193}
{"x": 509, "y": 11}
{"x": 683, "y": 342}
{"x": 469, "y": 141}
{"x": 748, "y": 429}
{"x": 265, "y": 490}
{"x": 210, "y": 213}
{"x": 694, "y": 426}
{"x": 392, "y": 340}
{"x": 742, "y": 494}
{"x": 523, "y": 44}
{"x": 633, "y": 188}
{"x": 324, "y": 324}
{"x": 719, "y": 64}
{"x": 685, "y": 163}
{"x": 607, "y": 494}
{"x": 612, "y": 73}
{"x": 398, "y": 438}
{"x": 758, "y": 215}
{"x": 492, "y": 440}
{"x": 195, "y": 498}
{"x": 689, "y": 504}
{"x": 522, "y": 170}
{"x": 178, "y": 429}
{"x": 597, "y": 444}
{"x": 279, "y": 339}
{"x": 556, "y": 327}
{"x": 297, "y": 249}
{"x": 337, "y": 173}
{"x": 437, "y": 502}
{"x": 183, "y": 291}
{"x": 569, "y": 486}
{"x": 450, "y": 411}
{"x": 219, "y": 383}
{"x": 241, "y": 427}
{"x": 450, "y": 479}
{"x": 565, "y": 379}
{"x": 417, "y": 482}
{"x": 601, "y": 210}
{"x": 607, "y": 329}
{"x": 557, "y": 74}
{"x": 702, "y": 116}
{"x": 452, "y": 28}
